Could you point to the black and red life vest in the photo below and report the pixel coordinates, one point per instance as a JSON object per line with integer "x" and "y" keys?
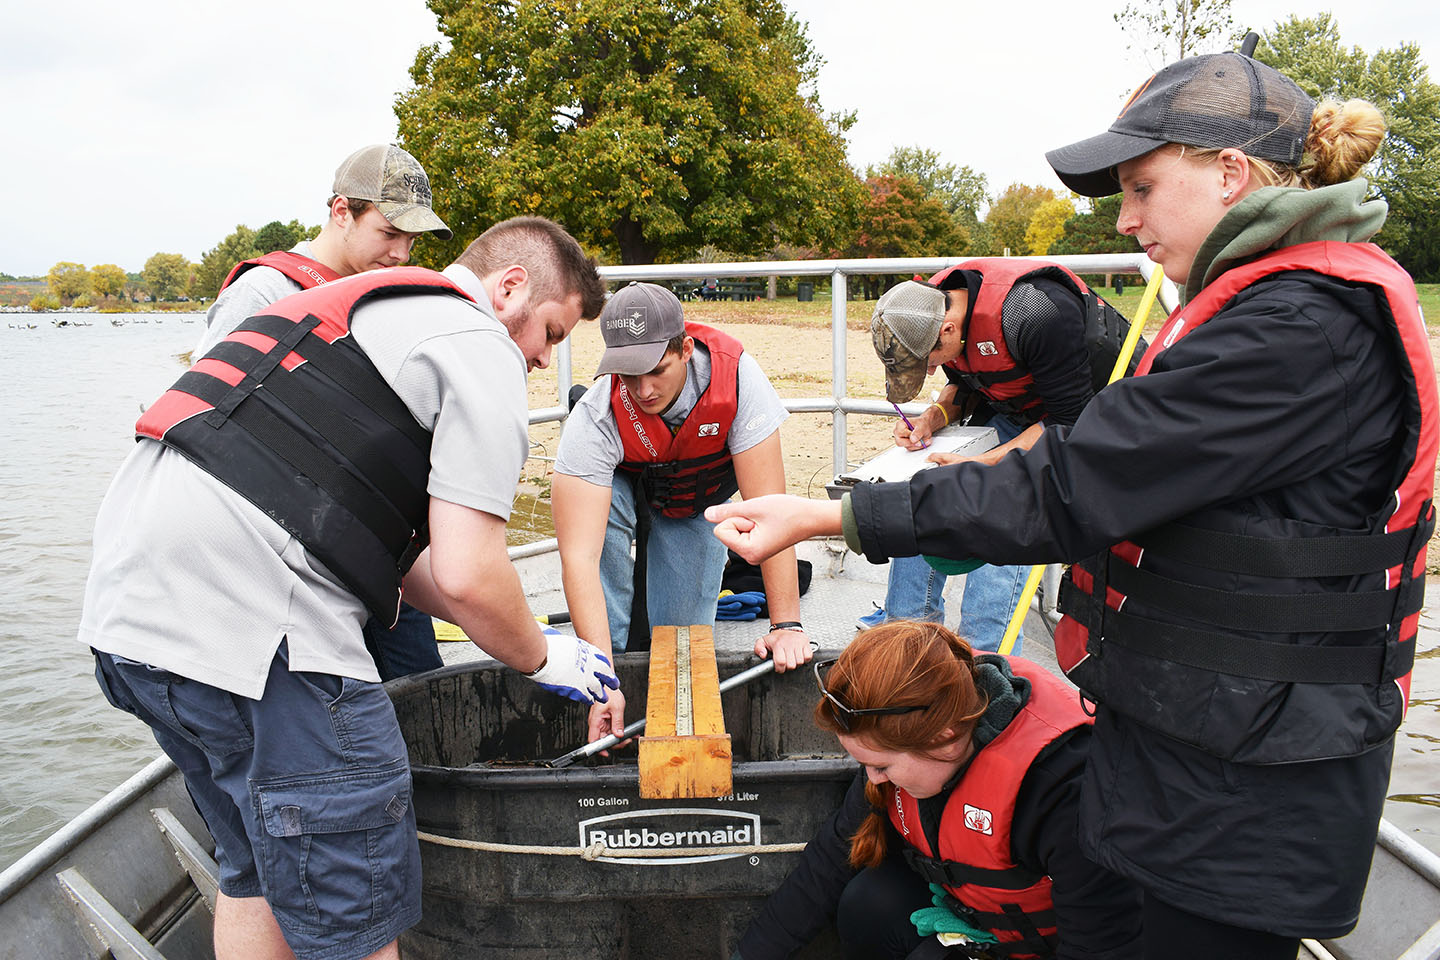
{"x": 683, "y": 473}
{"x": 1332, "y": 678}
{"x": 971, "y": 856}
{"x": 986, "y": 365}
{"x": 326, "y": 448}
{"x": 302, "y": 269}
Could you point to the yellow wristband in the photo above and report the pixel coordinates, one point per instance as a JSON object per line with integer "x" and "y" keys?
{"x": 943, "y": 414}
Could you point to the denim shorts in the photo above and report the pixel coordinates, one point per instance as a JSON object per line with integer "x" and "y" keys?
{"x": 306, "y": 792}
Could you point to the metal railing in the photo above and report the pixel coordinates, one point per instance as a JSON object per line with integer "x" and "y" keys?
{"x": 838, "y": 404}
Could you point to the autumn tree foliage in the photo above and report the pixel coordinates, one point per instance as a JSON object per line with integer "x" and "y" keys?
{"x": 649, "y": 128}
{"x": 68, "y": 281}
{"x": 107, "y": 279}
{"x": 900, "y": 219}
{"x": 1094, "y": 231}
{"x": 1046, "y": 225}
{"x": 166, "y": 276}
{"x": 1009, "y": 216}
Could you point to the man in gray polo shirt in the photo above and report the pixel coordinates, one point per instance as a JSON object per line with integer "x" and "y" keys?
{"x": 234, "y": 631}
{"x": 680, "y": 418}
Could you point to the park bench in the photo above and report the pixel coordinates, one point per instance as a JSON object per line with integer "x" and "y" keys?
{"x": 740, "y": 290}
{"x": 718, "y": 289}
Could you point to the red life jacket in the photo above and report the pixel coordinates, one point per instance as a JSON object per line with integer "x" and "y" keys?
{"x": 1276, "y": 700}
{"x": 302, "y": 269}
{"x": 327, "y": 448}
{"x": 986, "y": 365}
{"x": 973, "y": 861}
{"x": 683, "y": 473}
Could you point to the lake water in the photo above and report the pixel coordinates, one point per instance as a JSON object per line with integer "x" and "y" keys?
{"x": 70, "y": 397}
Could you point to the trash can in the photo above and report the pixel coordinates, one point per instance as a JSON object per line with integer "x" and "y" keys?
{"x": 475, "y": 734}
{"x": 804, "y": 291}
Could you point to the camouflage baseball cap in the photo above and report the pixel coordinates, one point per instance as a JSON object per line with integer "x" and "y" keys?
{"x": 904, "y": 329}
{"x": 395, "y": 182}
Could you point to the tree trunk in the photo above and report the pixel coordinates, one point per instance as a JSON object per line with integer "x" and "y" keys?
{"x": 634, "y": 248}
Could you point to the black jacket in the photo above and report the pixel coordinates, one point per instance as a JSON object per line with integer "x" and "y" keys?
{"x": 1286, "y": 405}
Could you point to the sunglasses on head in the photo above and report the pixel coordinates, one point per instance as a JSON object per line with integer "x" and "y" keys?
{"x": 843, "y": 714}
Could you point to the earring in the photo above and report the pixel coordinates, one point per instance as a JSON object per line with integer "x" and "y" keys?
{"x": 1226, "y": 195}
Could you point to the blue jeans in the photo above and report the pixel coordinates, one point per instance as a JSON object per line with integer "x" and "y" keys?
{"x": 914, "y": 593}
{"x": 915, "y": 589}
{"x": 407, "y": 648}
{"x": 684, "y": 564}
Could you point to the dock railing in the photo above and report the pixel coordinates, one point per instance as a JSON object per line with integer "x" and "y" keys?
{"x": 838, "y": 404}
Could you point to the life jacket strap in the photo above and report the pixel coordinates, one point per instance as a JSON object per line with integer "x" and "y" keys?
{"x": 1288, "y": 556}
{"x": 1268, "y": 612}
{"x": 952, "y": 873}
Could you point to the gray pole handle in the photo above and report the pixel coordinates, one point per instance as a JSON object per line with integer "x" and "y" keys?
{"x": 605, "y": 743}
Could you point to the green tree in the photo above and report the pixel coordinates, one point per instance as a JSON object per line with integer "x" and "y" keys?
{"x": 281, "y": 236}
{"x": 44, "y": 301}
{"x": 1406, "y": 171}
{"x": 108, "y": 280}
{"x": 648, "y": 127}
{"x": 166, "y": 275}
{"x": 1176, "y": 29}
{"x": 1094, "y": 231}
{"x": 217, "y": 262}
{"x": 68, "y": 281}
{"x": 1009, "y": 216}
{"x": 1047, "y": 224}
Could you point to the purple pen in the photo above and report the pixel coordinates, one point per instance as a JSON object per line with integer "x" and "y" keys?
{"x": 908, "y": 424}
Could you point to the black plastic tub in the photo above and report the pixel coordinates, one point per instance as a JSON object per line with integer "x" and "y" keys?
{"x": 476, "y": 733}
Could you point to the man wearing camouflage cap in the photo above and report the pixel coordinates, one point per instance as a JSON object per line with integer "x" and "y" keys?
{"x": 379, "y": 204}
{"x": 1024, "y": 345}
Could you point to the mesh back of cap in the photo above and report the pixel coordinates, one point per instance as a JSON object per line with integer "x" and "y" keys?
{"x": 914, "y": 312}
{"x": 1227, "y": 100}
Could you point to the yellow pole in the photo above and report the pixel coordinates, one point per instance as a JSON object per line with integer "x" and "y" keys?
{"x": 1127, "y": 350}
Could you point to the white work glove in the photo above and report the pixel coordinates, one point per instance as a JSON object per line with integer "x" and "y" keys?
{"x": 575, "y": 668}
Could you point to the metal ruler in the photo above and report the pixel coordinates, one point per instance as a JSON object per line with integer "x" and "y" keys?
{"x": 684, "y": 703}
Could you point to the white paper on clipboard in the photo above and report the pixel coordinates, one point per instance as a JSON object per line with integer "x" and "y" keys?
{"x": 897, "y": 463}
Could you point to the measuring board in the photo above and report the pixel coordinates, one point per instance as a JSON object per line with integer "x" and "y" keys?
{"x": 685, "y": 751}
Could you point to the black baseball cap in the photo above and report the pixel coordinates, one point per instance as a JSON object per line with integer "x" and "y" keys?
{"x": 1214, "y": 101}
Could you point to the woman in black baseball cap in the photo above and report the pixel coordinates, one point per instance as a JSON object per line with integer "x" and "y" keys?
{"x": 1246, "y": 517}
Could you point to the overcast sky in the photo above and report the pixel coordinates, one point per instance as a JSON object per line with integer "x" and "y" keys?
{"x": 158, "y": 125}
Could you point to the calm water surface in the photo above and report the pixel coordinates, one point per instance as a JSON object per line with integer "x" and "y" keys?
{"x": 70, "y": 397}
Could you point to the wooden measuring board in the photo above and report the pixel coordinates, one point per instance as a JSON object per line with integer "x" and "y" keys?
{"x": 685, "y": 751}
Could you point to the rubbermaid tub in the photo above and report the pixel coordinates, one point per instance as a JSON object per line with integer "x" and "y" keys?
{"x": 476, "y": 733}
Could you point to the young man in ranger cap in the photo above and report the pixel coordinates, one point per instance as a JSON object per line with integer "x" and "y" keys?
{"x": 679, "y": 419}
{"x": 379, "y": 204}
{"x": 1024, "y": 345}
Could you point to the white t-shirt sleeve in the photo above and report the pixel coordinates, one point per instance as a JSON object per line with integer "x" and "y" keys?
{"x": 256, "y": 289}
{"x": 590, "y": 446}
{"x": 758, "y": 408}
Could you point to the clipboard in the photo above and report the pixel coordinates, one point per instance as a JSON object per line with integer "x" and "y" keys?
{"x": 897, "y": 463}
